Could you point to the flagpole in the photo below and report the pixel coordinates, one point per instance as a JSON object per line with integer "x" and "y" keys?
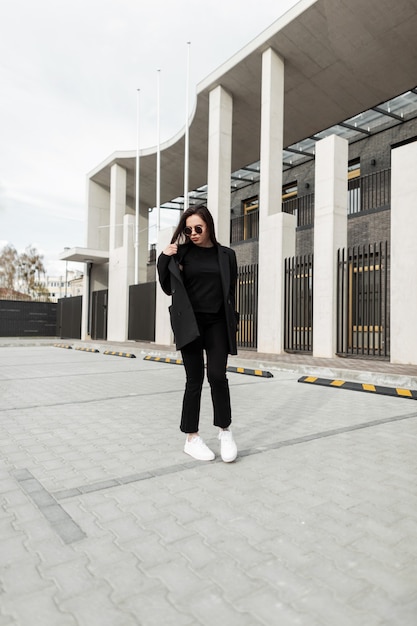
{"x": 158, "y": 156}
{"x": 187, "y": 134}
{"x": 137, "y": 191}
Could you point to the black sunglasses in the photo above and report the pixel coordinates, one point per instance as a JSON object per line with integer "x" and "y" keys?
{"x": 189, "y": 229}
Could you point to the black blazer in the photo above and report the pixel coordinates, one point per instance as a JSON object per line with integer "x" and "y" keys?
{"x": 183, "y": 321}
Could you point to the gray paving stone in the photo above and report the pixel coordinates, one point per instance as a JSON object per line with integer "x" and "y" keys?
{"x": 149, "y": 550}
{"x": 19, "y": 579}
{"x": 37, "y": 606}
{"x": 229, "y": 576}
{"x": 315, "y": 525}
{"x": 95, "y": 608}
{"x": 210, "y": 607}
{"x": 178, "y": 577}
{"x": 155, "y": 608}
{"x": 127, "y": 579}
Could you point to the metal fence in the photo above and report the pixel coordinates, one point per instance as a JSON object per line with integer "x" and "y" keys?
{"x": 302, "y": 207}
{"x": 363, "y": 315}
{"x": 245, "y": 227}
{"x": 372, "y": 191}
{"x": 247, "y": 305}
{"x": 298, "y": 304}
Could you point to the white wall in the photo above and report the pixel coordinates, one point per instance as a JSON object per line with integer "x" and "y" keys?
{"x": 404, "y": 254}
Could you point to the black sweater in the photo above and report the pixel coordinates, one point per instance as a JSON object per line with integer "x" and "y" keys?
{"x": 202, "y": 279}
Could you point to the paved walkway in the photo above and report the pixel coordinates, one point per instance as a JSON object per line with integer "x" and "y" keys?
{"x": 105, "y": 521}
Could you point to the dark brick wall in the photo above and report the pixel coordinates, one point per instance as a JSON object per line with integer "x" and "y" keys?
{"x": 369, "y": 227}
{"x": 365, "y": 227}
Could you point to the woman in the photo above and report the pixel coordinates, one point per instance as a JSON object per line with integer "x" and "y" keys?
{"x": 200, "y": 275}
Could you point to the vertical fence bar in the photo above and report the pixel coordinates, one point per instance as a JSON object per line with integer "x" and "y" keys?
{"x": 376, "y": 300}
{"x": 302, "y": 316}
{"x": 367, "y": 312}
{"x": 339, "y": 325}
{"x": 298, "y": 303}
{"x": 387, "y": 315}
{"x": 362, "y": 294}
{"x": 293, "y": 303}
{"x": 383, "y": 287}
{"x": 310, "y": 303}
{"x": 286, "y": 304}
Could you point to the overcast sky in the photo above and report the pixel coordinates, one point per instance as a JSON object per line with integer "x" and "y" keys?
{"x": 69, "y": 72}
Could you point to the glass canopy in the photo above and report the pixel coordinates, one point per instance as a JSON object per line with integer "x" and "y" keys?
{"x": 391, "y": 113}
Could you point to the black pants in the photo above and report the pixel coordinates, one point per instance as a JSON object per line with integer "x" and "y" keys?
{"x": 213, "y": 339}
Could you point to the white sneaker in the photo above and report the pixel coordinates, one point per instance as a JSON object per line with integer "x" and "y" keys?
{"x": 198, "y": 449}
{"x": 228, "y": 448}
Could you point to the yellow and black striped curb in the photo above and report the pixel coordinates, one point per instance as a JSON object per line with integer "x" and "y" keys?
{"x": 128, "y": 355}
{"x": 62, "y": 345}
{"x": 396, "y": 392}
{"x": 161, "y": 359}
{"x": 249, "y": 372}
{"x": 87, "y": 349}
{"x": 230, "y": 368}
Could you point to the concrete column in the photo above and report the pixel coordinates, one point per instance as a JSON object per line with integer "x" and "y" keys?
{"x": 121, "y": 275}
{"x": 143, "y": 242}
{"x": 121, "y": 256}
{"x": 86, "y": 303}
{"x": 98, "y": 216}
{"x": 276, "y": 229}
{"x": 220, "y": 161}
{"x": 117, "y": 204}
{"x": 403, "y": 254}
{"x": 163, "y": 332}
{"x": 330, "y": 234}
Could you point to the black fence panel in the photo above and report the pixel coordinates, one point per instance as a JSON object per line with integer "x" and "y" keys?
{"x": 99, "y": 314}
{"x": 247, "y": 305}
{"x": 363, "y": 315}
{"x": 27, "y": 319}
{"x": 142, "y": 299}
{"x": 298, "y": 304}
{"x": 68, "y": 323}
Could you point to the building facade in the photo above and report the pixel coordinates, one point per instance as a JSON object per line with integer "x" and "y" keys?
{"x": 303, "y": 146}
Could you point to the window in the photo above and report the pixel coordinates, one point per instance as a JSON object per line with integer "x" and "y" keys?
{"x": 290, "y": 190}
{"x": 354, "y": 169}
{"x": 354, "y": 189}
{"x": 251, "y": 218}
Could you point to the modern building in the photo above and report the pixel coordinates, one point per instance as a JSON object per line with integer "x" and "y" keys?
{"x": 304, "y": 147}
{"x": 68, "y": 285}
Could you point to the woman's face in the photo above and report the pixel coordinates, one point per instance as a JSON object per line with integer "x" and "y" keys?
{"x": 202, "y": 238}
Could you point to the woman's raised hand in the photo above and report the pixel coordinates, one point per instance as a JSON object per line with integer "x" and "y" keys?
{"x": 171, "y": 249}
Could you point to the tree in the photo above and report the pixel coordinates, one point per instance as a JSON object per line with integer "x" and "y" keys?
{"x": 30, "y": 268}
{"x": 22, "y": 272}
{"x": 8, "y": 267}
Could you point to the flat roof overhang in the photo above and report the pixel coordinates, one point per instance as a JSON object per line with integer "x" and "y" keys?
{"x": 341, "y": 58}
{"x": 85, "y": 255}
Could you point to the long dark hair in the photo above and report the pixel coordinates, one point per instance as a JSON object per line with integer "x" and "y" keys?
{"x": 202, "y": 211}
